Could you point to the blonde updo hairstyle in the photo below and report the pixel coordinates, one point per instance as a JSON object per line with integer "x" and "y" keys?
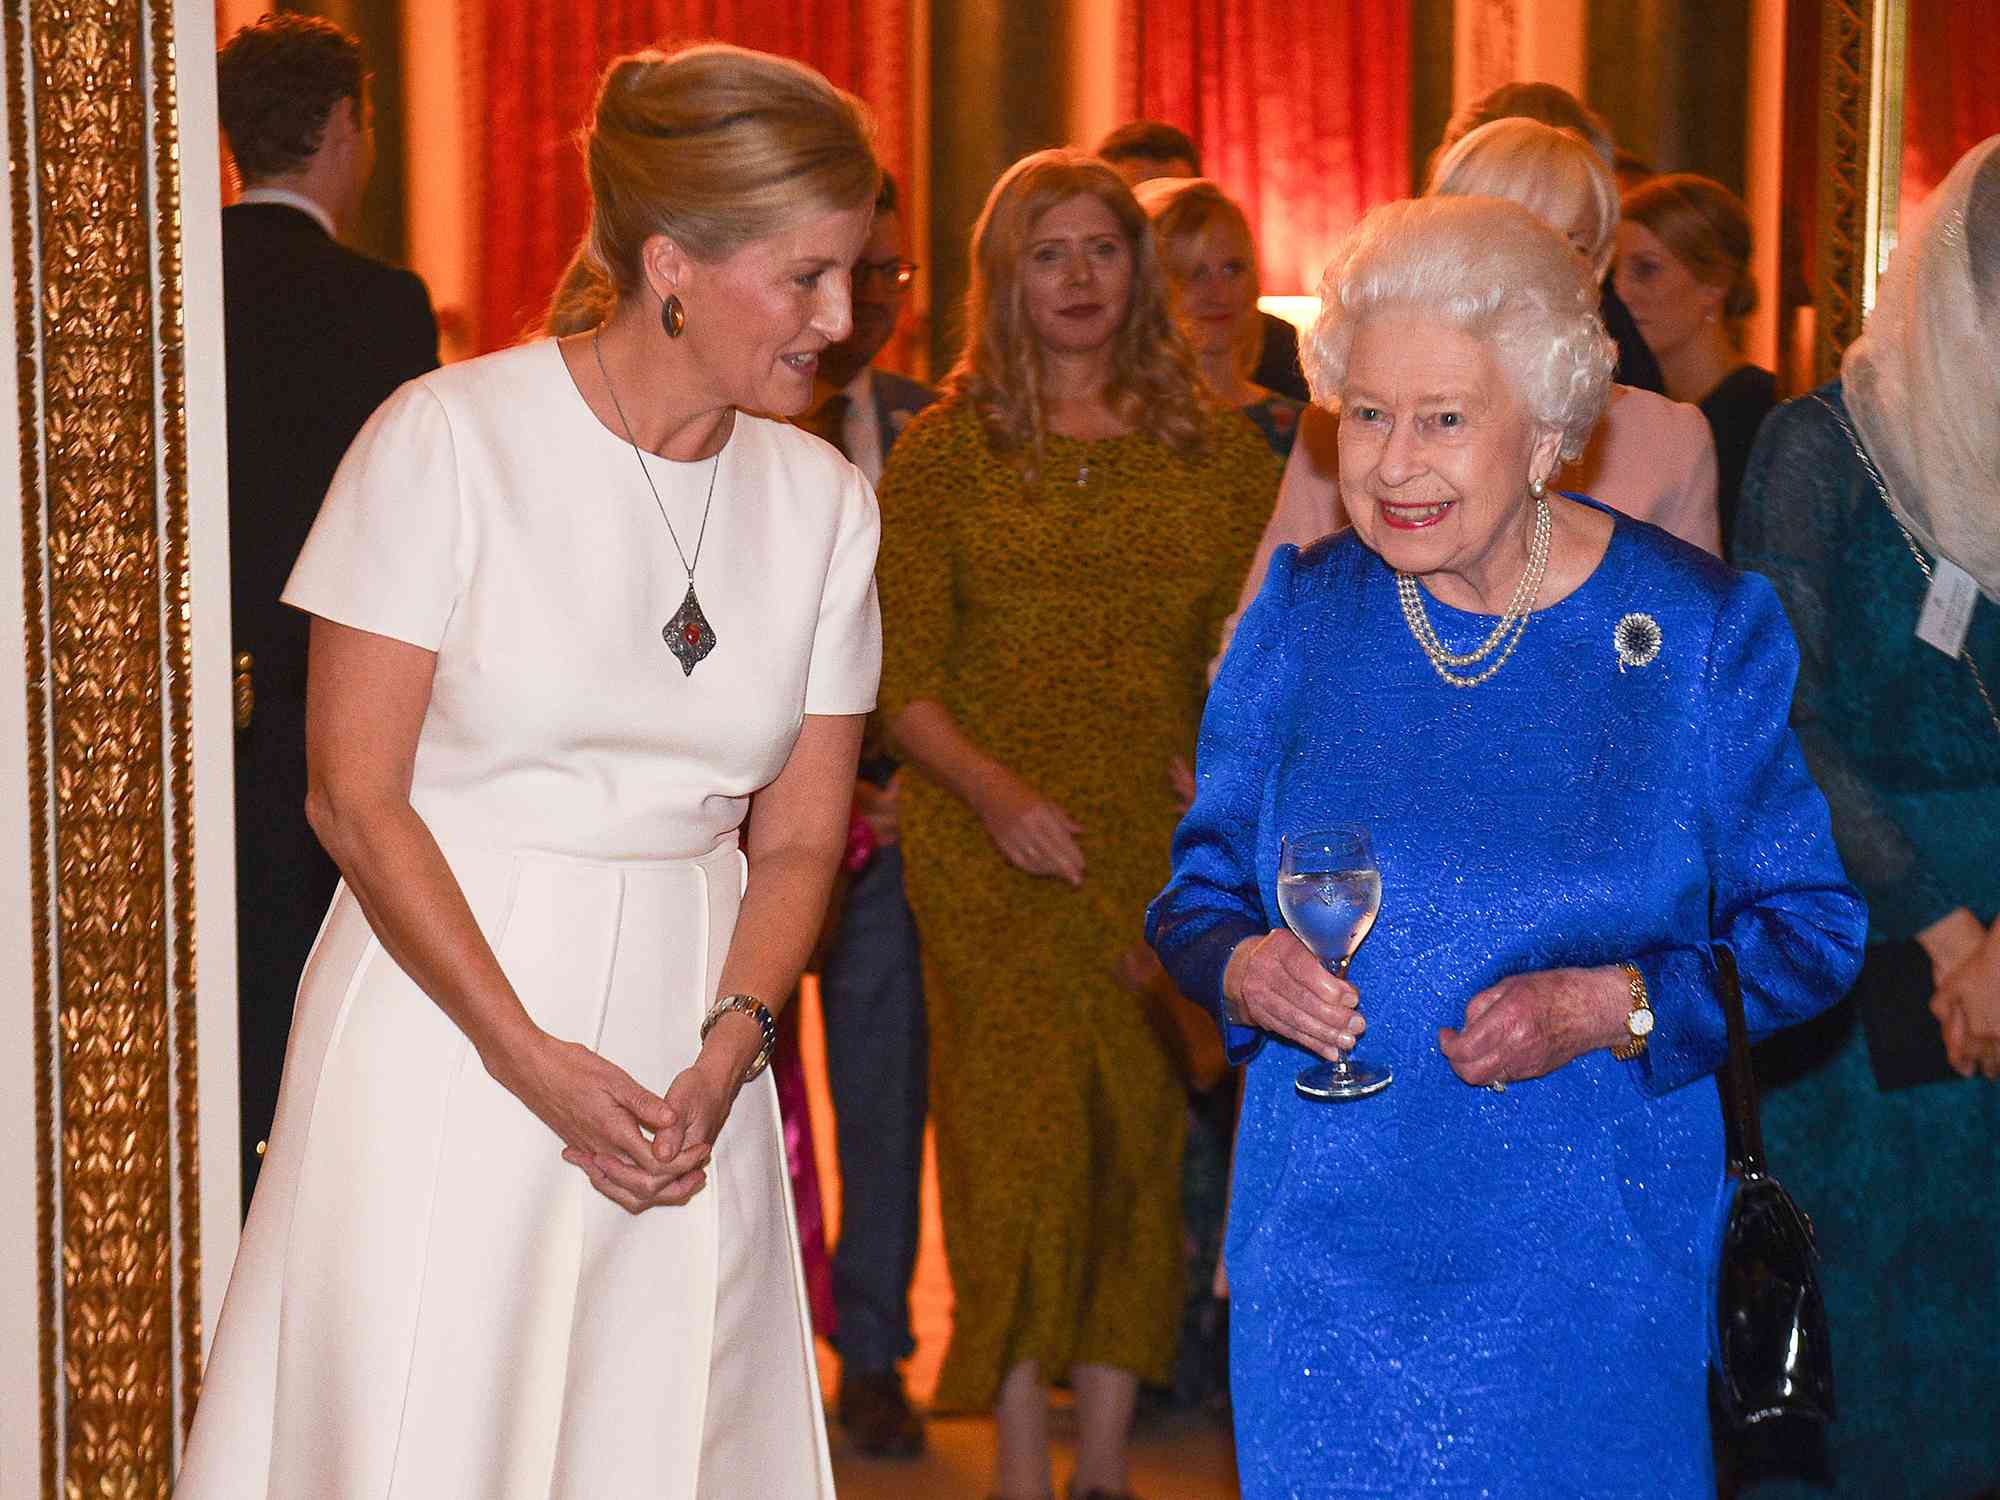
{"x": 1706, "y": 228}
{"x": 1154, "y": 385}
{"x": 714, "y": 147}
{"x": 1181, "y": 209}
{"x": 1489, "y": 269}
{"x": 1553, "y": 173}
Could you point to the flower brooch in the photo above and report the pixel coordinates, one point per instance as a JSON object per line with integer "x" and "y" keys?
{"x": 1637, "y": 637}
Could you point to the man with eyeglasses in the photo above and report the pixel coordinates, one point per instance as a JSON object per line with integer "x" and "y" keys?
{"x": 871, "y": 977}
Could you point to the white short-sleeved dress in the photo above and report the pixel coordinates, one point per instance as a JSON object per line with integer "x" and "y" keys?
{"x": 428, "y": 1302}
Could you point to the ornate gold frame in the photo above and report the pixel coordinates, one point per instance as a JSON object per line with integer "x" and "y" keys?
{"x": 98, "y": 337}
{"x": 1860, "y": 156}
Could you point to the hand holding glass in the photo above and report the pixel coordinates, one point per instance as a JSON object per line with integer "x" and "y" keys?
{"x": 1329, "y": 891}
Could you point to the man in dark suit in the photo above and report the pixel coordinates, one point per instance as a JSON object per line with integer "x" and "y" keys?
{"x": 316, "y": 337}
{"x": 871, "y": 977}
{"x": 1141, "y": 150}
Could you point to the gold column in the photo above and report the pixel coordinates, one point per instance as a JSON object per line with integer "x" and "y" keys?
{"x": 1841, "y": 246}
{"x": 98, "y": 341}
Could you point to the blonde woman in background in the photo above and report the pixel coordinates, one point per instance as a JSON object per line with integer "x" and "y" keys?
{"x": 591, "y": 652}
{"x": 1684, "y": 270}
{"x": 1210, "y": 259}
{"x": 1063, "y": 533}
{"x": 1649, "y": 457}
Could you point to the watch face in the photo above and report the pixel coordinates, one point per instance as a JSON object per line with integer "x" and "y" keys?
{"x": 1640, "y": 1022}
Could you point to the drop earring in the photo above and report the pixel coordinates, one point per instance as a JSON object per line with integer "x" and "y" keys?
{"x": 673, "y": 316}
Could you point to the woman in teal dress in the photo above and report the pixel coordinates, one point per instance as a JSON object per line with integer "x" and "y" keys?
{"x": 1857, "y": 496}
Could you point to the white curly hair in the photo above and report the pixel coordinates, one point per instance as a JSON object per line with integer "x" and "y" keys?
{"x": 1489, "y": 269}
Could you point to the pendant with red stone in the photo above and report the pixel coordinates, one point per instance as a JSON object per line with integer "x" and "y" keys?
{"x": 688, "y": 634}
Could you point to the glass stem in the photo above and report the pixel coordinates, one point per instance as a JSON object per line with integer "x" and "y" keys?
{"x": 1340, "y": 1066}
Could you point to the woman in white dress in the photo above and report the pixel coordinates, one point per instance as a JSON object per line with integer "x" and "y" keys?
{"x": 591, "y": 655}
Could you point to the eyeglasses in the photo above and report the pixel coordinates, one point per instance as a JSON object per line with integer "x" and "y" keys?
{"x": 896, "y": 275}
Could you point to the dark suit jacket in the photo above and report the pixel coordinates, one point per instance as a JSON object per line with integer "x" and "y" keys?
{"x": 1278, "y": 366}
{"x": 897, "y": 399}
{"x": 316, "y": 337}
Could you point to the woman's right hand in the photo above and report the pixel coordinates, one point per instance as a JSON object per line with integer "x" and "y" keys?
{"x": 1031, "y": 832}
{"x": 595, "y": 1106}
{"x": 1275, "y": 984}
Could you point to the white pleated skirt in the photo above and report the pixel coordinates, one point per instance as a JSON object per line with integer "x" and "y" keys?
{"x": 429, "y": 1303}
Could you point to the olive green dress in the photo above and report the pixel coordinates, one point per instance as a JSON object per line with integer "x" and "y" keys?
{"x": 1067, "y": 631}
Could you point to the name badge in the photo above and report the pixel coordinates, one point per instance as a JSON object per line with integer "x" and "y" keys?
{"x": 1947, "y": 612}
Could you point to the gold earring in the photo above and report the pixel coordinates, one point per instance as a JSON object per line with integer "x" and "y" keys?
{"x": 673, "y": 316}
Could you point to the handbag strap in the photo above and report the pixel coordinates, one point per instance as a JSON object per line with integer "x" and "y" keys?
{"x": 1739, "y": 1085}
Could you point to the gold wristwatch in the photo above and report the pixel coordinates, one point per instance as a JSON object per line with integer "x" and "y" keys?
{"x": 1638, "y": 1020}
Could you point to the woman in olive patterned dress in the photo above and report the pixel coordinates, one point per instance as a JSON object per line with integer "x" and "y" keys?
{"x": 1063, "y": 535}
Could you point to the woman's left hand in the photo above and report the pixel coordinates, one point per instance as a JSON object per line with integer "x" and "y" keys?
{"x": 701, "y": 1098}
{"x": 1531, "y": 1024}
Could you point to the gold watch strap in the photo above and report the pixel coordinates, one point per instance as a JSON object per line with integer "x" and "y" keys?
{"x": 1634, "y": 1044}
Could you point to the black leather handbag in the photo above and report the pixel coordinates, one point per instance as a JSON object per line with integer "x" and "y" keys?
{"x": 1769, "y": 1353}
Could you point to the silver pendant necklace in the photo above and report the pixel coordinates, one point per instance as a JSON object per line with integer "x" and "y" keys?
{"x": 688, "y": 634}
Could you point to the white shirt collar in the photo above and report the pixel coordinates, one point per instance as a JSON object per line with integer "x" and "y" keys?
{"x": 290, "y": 199}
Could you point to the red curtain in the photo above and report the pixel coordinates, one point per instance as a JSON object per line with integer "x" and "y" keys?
{"x": 1301, "y": 111}
{"x": 1951, "y": 91}
{"x": 541, "y": 59}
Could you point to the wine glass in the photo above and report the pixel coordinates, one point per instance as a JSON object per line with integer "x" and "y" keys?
{"x": 1329, "y": 890}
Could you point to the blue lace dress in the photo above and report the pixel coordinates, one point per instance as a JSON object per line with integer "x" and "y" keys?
{"x": 1443, "y": 1290}
{"x": 1903, "y": 1187}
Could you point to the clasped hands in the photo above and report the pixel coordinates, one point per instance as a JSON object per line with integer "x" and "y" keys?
{"x": 1965, "y": 959}
{"x": 639, "y": 1149}
{"x": 1522, "y": 1027}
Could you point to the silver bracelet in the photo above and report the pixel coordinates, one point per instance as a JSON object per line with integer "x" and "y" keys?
{"x": 757, "y": 1011}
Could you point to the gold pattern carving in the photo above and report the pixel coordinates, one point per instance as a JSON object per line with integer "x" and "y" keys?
{"x": 39, "y": 786}
{"x": 1845, "y": 48}
{"x": 178, "y": 611}
{"x": 110, "y": 753}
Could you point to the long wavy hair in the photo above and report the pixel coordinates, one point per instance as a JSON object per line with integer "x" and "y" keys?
{"x": 712, "y": 146}
{"x": 1154, "y": 385}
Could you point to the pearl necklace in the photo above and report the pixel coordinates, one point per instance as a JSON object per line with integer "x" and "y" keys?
{"x": 1505, "y": 636}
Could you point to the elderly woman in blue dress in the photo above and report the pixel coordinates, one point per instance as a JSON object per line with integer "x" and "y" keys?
{"x": 1566, "y": 731}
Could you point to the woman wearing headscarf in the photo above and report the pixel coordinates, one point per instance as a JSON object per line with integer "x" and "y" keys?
{"x": 1873, "y": 504}
{"x": 1566, "y": 732}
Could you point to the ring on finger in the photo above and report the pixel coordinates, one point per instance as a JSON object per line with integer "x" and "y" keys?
{"x": 1498, "y": 1085}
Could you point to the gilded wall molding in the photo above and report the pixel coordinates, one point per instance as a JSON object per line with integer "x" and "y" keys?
{"x": 95, "y": 208}
{"x": 21, "y": 225}
{"x": 177, "y": 613}
{"x": 1846, "y": 57}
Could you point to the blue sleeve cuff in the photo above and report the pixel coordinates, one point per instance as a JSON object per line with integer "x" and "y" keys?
{"x": 1197, "y": 967}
